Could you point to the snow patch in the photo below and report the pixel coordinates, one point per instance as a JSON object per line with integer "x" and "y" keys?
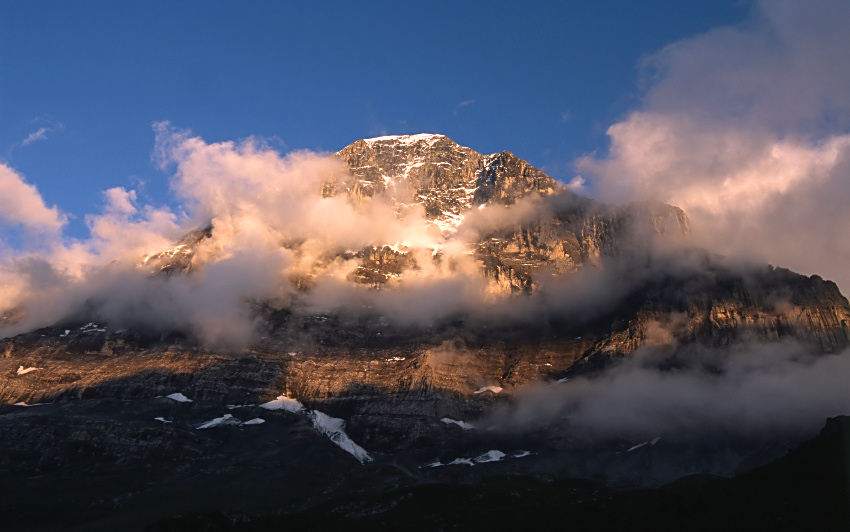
{"x": 490, "y": 456}
{"x": 255, "y": 421}
{"x": 462, "y": 424}
{"x": 162, "y": 420}
{"x": 407, "y": 139}
{"x": 334, "y": 428}
{"x": 23, "y": 371}
{"x": 177, "y": 396}
{"x": 644, "y": 444}
{"x": 226, "y": 419}
{"x": 401, "y": 249}
{"x": 284, "y": 403}
{"x": 494, "y": 389}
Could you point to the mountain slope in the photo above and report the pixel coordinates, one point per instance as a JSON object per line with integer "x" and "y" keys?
{"x": 526, "y": 331}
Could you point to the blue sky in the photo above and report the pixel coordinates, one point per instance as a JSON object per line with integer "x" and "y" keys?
{"x": 737, "y": 111}
{"x": 84, "y": 81}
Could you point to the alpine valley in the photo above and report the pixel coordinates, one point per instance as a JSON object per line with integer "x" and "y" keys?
{"x": 472, "y": 345}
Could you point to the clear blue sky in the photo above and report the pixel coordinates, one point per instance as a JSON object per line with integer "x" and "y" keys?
{"x": 84, "y": 80}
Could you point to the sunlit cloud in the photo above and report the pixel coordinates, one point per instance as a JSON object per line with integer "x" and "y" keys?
{"x": 741, "y": 127}
{"x": 22, "y": 205}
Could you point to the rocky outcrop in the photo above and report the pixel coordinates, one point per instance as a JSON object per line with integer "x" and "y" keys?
{"x": 180, "y": 258}
{"x": 380, "y": 264}
{"x": 573, "y": 232}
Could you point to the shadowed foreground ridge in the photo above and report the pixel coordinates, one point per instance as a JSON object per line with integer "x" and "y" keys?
{"x": 596, "y": 370}
{"x": 806, "y": 489}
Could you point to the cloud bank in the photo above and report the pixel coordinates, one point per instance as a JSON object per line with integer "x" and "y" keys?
{"x": 757, "y": 391}
{"x": 747, "y": 128}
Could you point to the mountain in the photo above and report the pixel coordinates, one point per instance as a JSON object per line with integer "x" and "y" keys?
{"x": 437, "y": 173}
{"x": 525, "y": 332}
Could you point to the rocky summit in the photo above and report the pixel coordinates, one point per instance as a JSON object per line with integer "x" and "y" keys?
{"x": 533, "y": 344}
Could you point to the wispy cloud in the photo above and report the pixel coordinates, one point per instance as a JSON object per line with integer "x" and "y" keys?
{"x": 42, "y": 133}
{"x": 461, "y": 105}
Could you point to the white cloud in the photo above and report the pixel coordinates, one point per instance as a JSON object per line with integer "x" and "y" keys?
{"x": 22, "y": 205}
{"x": 746, "y": 128}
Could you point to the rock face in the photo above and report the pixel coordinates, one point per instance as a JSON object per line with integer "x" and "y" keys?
{"x": 582, "y": 286}
{"x": 437, "y": 173}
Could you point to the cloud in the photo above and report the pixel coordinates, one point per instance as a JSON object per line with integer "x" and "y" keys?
{"x": 270, "y": 223}
{"x": 578, "y": 184}
{"x": 40, "y": 134}
{"x": 746, "y": 128}
{"x": 748, "y": 390}
{"x": 22, "y": 205}
{"x": 461, "y": 105}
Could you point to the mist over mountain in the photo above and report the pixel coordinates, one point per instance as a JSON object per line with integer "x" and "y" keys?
{"x": 407, "y": 310}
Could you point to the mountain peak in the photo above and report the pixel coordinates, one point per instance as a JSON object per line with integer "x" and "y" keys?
{"x": 407, "y": 139}
{"x": 432, "y": 170}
